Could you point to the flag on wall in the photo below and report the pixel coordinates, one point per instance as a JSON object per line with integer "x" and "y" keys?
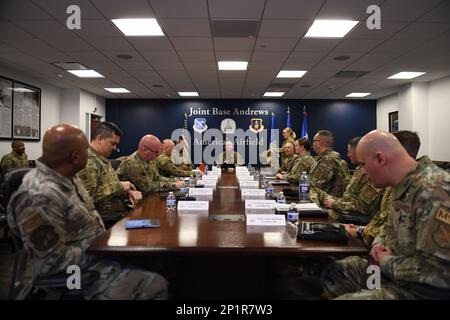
{"x": 272, "y": 130}
{"x": 288, "y": 121}
{"x": 305, "y": 124}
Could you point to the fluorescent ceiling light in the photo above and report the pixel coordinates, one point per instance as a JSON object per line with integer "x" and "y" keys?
{"x": 86, "y": 73}
{"x": 138, "y": 27}
{"x": 330, "y": 28}
{"x": 358, "y": 94}
{"x": 406, "y": 75}
{"x": 188, "y": 93}
{"x": 117, "y": 90}
{"x": 273, "y": 94}
{"x": 233, "y": 65}
{"x": 291, "y": 74}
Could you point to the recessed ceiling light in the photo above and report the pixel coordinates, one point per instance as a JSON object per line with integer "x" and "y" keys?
{"x": 358, "y": 94}
{"x": 233, "y": 65}
{"x": 86, "y": 73}
{"x": 406, "y": 75}
{"x": 330, "y": 28}
{"x": 188, "y": 93}
{"x": 138, "y": 27}
{"x": 291, "y": 74}
{"x": 273, "y": 94}
{"x": 117, "y": 90}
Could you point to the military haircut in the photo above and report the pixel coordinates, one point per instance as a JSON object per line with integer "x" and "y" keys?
{"x": 106, "y": 130}
{"x": 327, "y": 137}
{"x": 353, "y": 142}
{"x": 305, "y": 143}
{"x": 410, "y": 141}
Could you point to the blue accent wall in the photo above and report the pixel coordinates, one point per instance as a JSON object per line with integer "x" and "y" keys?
{"x": 137, "y": 117}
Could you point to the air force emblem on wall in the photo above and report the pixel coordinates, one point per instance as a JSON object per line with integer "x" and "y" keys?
{"x": 256, "y": 125}
{"x": 200, "y": 125}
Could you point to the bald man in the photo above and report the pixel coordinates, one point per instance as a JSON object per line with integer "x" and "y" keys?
{"x": 165, "y": 166}
{"x": 287, "y": 162}
{"x": 413, "y": 247}
{"x": 100, "y": 179}
{"x": 55, "y": 217}
{"x": 17, "y": 158}
{"x": 141, "y": 169}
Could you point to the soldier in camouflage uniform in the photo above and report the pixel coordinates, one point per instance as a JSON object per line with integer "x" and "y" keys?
{"x": 141, "y": 169}
{"x": 288, "y": 161}
{"x": 411, "y": 142}
{"x": 16, "y": 159}
{"x": 55, "y": 217}
{"x": 303, "y": 162}
{"x": 327, "y": 173}
{"x": 413, "y": 247}
{"x": 99, "y": 177}
{"x": 166, "y": 167}
{"x": 361, "y": 197}
{"x": 229, "y": 156}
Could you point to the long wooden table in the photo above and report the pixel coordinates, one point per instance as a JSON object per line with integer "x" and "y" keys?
{"x": 194, "y": 234}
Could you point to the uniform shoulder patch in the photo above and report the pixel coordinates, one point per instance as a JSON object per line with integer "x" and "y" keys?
{"x": 34, "y": 221}
{"x": 443, "y": 214}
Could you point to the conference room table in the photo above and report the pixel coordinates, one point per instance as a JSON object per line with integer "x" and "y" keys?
{"x": 203, "y": 259}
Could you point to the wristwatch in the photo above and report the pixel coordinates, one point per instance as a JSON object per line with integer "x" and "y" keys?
{"x": 360, "y": 230}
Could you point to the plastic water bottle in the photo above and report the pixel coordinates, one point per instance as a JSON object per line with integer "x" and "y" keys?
{"x": 303, "y": 187}
{"x": 256, "y": 175}
{"x": 292, "y": 214}
{"x": 281, "y": 198}
{"x": 269, "y": 189}
{"x": 171, "y": 203}
{"x": 191, "y": 182}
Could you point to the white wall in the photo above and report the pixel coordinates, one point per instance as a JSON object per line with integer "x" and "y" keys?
{"x": 385, "y": 106}
{"x": 425, "y": 109}
{"x": 50, "y": 112}
{"x": 57, "y": 106}
{"x": 438, "y": 117}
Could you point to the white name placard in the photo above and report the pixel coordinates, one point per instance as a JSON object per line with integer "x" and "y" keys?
{"x": 210, "y": 178}
{"x": 260, "y": 206}
{"x": 208, "y": 184}
{"x": 265, "y": 220}
{"x": 249, "y": 184}
{"x": 259, "y": 194}
{"x": 193, "y": 206}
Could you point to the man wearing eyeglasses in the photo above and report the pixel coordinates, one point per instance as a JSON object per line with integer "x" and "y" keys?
{"x": 99, "y": 177}
{"x": 142, "y": 170}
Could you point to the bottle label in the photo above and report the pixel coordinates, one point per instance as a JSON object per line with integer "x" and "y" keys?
{"x": 292, "y": 216}
{"x": 304, "y": 188}
{"x": 281, "y": 200}
{"x": 171, "y": 202}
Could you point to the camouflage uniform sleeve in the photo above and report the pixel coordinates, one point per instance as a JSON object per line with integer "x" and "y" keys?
{"x": 42, "y": 223}
{"x": 167, "y": 168}
{"x": 430, "y": 260}
{"x": 323, "y": 174}
{"x": 136, "y": 174}
{"x": 373, "y": 228}
{"x": 239, "y": 160}
{"x": 88, "y": 177}
{"x": 7, "y": 163}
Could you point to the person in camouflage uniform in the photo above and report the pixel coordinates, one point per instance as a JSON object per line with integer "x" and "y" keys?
{"x": 99, "y": 177}
{"x": 180, "y": 156}
{"x": 229, "y": 156}
{"x": 141, "y": 169}
{"x": 361, "y": 197}
{"x": 165, "y": 166}
{"x": 288, "y": 161}
{"x": 303, "y": 162}
{"x": 17, "y": 158}
{"x": 411, "y": 142}
{"x": 55, "y": 218}
{"x": 327, "y": 173}
{"x": 413, "y": 246}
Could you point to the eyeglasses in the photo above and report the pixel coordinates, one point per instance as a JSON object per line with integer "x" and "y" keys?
{"x": 151, "y": 149}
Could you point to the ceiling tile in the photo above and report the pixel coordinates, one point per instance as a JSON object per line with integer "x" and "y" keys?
{"x": 291, "y": 9}
{"x": 151, "y": 43}
{"x": 22, "y": 10}
{"x": 30, "y": 45}
{"x": 180, "y": 8}
{"x": 11, "y": 31}
{"x": 69, "y": 44}
{"x": 194, "y": 43}
{"x": 284, "y": 28}
{"x": 197, "y": 56}
{"x": 269, "y": 56}
{"x": 45, "y": 28}
{"x": 98, "y": 28}
{"x": 357, "y": 45}
{"x": 110, "y": 43}
{"x": 275, "y": 44}
{"x": 58, "y": 9}
{"x": 160, "y": 56}
{"x": 233, "y": 55}
{"x": 200, "y": 66}
{"x": 186, "y": 27}
{"x": 397, "y": 45}
{"x": 233, "y": 44}
{"x": 317, "y": 44}
{"x": 422, "y": 30}
{"x": 346, "y": 9}
{"x": 236, "y": 9}
{"x": 300, "y": 56}
{"x": 406, "y": 10}
{"x": 438, "y": 14}
{"x": 167, "y": 66}
{"x": 112, "y": 9}
{"x": 387, "y": 30}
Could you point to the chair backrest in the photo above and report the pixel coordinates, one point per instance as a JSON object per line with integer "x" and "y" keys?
{"x": 13, "y": 180}
{"x": 114, "y": 163}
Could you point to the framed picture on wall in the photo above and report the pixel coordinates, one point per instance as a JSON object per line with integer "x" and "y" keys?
{"x": 393, "y": 121}
{"x": 26, "y": 112}
{"x": 6, "y": 95}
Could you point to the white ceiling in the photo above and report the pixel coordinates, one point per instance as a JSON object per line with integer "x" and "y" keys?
{"x": 414, "y": 36}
